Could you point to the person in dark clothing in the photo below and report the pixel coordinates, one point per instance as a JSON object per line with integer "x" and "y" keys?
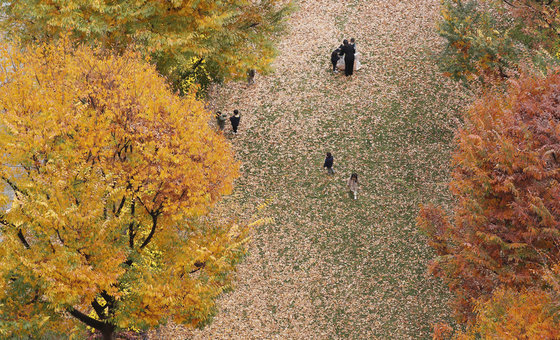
{"x": 329, "y": 163}
{"x": 335, "y": 55}
{"x": 348, "y": 51}
{"x": 235, "y": 120}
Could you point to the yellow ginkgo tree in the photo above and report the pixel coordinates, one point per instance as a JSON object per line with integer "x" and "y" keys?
{"x": 111, "y": 173}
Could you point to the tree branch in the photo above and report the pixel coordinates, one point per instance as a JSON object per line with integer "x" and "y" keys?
{"x": 509, "y": 3}
{"x": 20, "y": 235}
{"x": 120, "y": 206}
{"x": 99, "y": 310}
{"x": 109, "y": 299}
{"x": 5, "y": 222}
{"x": 131, "y": 235}
{"x": 99, "y": 325}
{"x": 198, "y": 265}
{"x": 22, "y": 239}
{"x": 14, "y": 187}
{"x": 154, "y": 224}
{"x": 197, "y": 64}
{"x": 60, "y": 237}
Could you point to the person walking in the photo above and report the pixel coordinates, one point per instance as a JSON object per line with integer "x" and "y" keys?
{"x": 235, "y": 120}
{"x": 329, "y": 160}
{"x": 353, "y": 184}
{"x": 348, "y": 51}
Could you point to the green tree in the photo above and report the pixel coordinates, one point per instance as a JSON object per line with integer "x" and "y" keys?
{"x": 479, "y": 46}
{"x": 490, "y": 40}
{"x": 230, "y": 37}
{"x": 541, "y": 21}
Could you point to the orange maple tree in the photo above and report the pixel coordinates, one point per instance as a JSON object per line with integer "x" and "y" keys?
{"x": 506, "y": 222}
{"x": 110, "y": 173}
{"x": 512, "y": 314}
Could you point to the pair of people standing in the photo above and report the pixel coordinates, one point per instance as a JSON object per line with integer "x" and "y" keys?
{"x": 348, "y": 50}
{"x": 353, "y": 184}
{"x": 234, "y": 120}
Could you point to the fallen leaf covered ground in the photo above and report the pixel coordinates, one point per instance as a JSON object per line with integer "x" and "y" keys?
{"x": 330, "y": 266}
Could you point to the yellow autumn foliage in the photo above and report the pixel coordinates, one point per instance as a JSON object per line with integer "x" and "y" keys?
{"x": 110, "y": 172}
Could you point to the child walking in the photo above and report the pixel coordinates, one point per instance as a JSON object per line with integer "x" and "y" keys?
{"x": 353, "y": 184}
{"x": 335, "y": 55}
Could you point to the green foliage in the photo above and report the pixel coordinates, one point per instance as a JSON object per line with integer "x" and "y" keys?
{"x": 232, "y": 36}
{"x": 197, "y": 76}
{"x": 487, "y": 43}
{"x": 540, "y": 21}
{"x": 478, "y": 44}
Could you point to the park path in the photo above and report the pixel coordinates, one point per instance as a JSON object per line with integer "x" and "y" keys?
{"x": 329, "y": 266}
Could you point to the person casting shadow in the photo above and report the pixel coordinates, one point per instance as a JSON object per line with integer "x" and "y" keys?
{"x": 348, "y": 51}
{"x": 235, "y": 120}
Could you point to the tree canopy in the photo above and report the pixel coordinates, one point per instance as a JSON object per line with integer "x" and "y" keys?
{"x": 488, "y": 41}
{"x": 512, "y": 314}
{"x": 505, "y": 226}
{"x": 111, "y": 173}
{"x": 231, "y": 36}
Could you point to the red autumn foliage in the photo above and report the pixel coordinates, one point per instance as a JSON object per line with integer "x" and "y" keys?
{"x": 506, "y": 221}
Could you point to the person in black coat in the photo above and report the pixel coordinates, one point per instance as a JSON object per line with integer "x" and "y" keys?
{"x": 348, "y": 51}
{"x": 335, "y": 55}
{"x": 329, "y": 160}
{"x": 235, "y": 120}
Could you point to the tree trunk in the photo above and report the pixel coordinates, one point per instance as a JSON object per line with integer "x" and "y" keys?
{"x": 108, "y": 332}
{"x": 106, "y": 329}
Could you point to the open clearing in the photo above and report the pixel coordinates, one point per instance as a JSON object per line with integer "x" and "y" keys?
{"x": 329, "y": 266}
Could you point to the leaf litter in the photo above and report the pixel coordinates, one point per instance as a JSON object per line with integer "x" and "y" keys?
{"x": 330, "y": 266}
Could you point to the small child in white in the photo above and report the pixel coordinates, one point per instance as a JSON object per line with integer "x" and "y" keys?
{"x": 353, "y": 184}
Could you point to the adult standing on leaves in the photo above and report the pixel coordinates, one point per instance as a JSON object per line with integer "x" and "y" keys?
{"x": 357, "y": 64}
{"x": 235, "y": 120}
{"x": 329, "y": 160}
{"x": 251, "y": 76}
{"x": 348, "y": 51}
